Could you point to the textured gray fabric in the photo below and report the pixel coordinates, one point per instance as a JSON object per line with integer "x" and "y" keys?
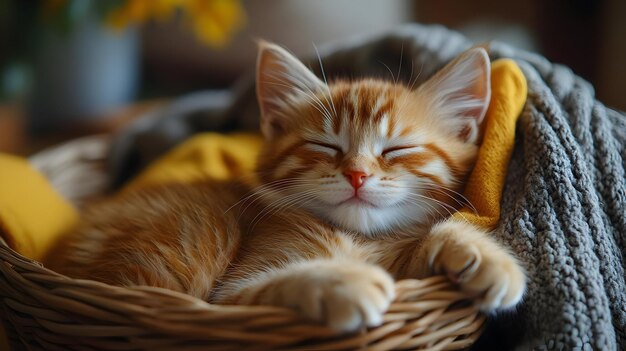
{"x": 563, "y": 210}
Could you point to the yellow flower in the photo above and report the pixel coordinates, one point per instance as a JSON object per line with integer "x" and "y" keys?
{"x": 215, "y": 21}
{"x": 131, "y": 12}
{"x": 165, "y": 9}
{"x": 212, "y": 21}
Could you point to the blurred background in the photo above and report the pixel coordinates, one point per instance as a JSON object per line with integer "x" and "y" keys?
{"x": 74, "y": 67}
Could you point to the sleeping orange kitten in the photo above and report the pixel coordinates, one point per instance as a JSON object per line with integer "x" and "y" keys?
{"x": 353, "y": 187}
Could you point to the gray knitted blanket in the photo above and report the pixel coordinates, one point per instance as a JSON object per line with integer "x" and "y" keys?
{"x": 564, "y": 205}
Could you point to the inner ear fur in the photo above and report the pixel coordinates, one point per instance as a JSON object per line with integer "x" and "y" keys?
{"x": 462, "y": 92}
{"x": 281, "y": 80}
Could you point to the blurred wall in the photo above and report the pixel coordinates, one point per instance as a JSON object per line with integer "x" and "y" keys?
{"x": 611, "y": 81}
{"x": 174, "y": 56}
{"x": 589, "y": 36}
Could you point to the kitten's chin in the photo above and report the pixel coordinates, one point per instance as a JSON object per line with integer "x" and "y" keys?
{"x": 371, "y": 221}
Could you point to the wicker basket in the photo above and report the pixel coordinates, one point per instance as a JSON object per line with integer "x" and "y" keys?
{"x": 43, "y": 310}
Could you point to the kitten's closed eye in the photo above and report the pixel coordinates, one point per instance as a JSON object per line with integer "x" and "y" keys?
{"x": 400, "y": 150}
{"x": 324, "y": 147}
{"x": 390, "y": 152}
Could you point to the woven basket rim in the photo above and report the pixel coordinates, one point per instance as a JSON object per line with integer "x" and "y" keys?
{"x": 148, "y": 304}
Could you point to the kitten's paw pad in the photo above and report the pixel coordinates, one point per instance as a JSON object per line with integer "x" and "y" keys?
{"x": 489, "y": 272}
{"x": 344, "y": 297}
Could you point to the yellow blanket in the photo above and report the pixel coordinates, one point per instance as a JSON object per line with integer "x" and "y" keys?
{"x": 33, "y": 215}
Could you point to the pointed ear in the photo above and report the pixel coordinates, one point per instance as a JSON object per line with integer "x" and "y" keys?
{"x": 281, "y": 80}
{"x": 461, "y": 91}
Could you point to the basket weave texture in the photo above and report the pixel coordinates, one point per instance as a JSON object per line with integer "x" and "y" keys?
{"x": 43, "y": 310}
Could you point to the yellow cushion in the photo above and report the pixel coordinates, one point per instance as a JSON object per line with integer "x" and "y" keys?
{"x": 485, "y": 184}
{"x": 205, "y": 156}
{"x": 32, "y": 213}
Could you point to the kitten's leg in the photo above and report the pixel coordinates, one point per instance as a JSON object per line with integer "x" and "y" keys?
{"x": 475, "y": 261}
{"x": 341, "y": 293}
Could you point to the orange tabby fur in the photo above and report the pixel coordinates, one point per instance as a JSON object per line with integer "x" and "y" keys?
{"x": 353, "y": 189}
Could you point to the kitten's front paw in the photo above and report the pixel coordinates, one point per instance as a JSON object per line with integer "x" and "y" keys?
{"x": 343, "y": 295}
{"x": 477, "y": 263}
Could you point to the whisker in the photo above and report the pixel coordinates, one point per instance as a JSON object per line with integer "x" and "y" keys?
{"x": 460, "y": 199}
{"x": 411, "y": 84}
{"x": 265, "y": 188}
{"x": 426, "y": 203}
{"x": 312, "y": 93}
{"x": 279, "y": 76}
{"x": 279, "y": 205}
{"x": 430, "y": 210}
{"x": 319, "y": 58}
{"x": 441, "y": 203}
{"x": 463, "y": 201}
{"x": 393, "y": 78}
{"x": 311, "y": 99}
{"x": 445, "y": 206}
{"x": 400, "y": 64}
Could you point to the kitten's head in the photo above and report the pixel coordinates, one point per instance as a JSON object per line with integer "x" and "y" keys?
{"x": 369, "y": 155}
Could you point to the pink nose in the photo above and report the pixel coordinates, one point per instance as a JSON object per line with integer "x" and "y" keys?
{"x": 356, "y": 178}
